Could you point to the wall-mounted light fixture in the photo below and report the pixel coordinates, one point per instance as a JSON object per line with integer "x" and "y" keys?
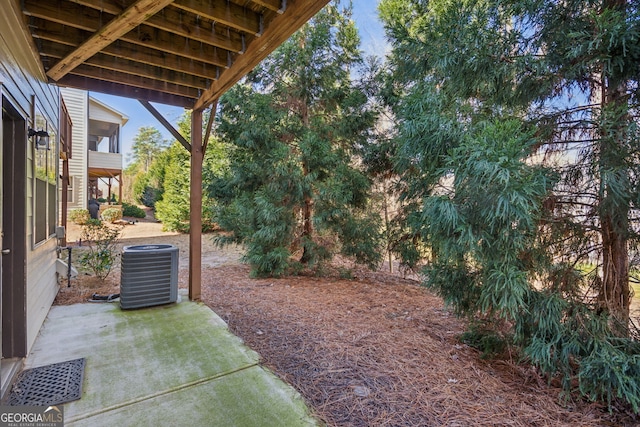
{"x": 41, "y": 140}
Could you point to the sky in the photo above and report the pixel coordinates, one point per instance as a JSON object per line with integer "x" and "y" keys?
{"x": 365, "y": 15}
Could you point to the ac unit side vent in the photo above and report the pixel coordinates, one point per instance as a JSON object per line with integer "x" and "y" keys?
{"x": 149, "y": 276}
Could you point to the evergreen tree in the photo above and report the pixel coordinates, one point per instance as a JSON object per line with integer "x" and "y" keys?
{"x": 294, "y": 126}
{"x": 518, "y": 148}
{"x": 171, "y": 173}
{"x": 147, "y": 144}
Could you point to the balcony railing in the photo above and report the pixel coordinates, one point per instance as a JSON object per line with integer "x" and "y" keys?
{"x": 99, "y": 160}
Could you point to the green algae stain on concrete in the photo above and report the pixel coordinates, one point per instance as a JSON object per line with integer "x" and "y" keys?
{"x": 190, "y": 332}
{"x": 180, "y": 357}
{"x": 249, "y": 398}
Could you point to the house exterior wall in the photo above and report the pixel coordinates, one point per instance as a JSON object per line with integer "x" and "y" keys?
{"x": 25, "y": 86}
{"x": 103, "y": 113}
{"x": 77, "y": 102}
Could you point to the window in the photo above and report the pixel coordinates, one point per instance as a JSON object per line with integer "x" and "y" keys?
{"x": 70, "y": 191}
{"x": 45, "y": 173}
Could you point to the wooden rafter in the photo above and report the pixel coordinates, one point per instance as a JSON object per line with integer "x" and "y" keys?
{"x": 131, "y": 68}
{"x": 85, "y": 70}
{"x": 226, "y": 13}
{"x": 275, "y": 5}
{"x": 280, "y": 29}
{"x": 171, "y": 22}
{"x": 128, "y": 20}
{"x": 143, "y": 36}
{"x": 168, "y": 126}
{"x": 125, "y": 90}
{"x": 54, "y": 44}
{"x": 212, "y": 116}
{"x": 174, "y": 21}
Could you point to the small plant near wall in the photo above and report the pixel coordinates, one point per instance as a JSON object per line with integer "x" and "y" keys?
{"x": 79, "y": 216}
{"x": 100, "y": 256}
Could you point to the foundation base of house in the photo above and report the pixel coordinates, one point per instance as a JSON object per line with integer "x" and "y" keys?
{"x": 9, "y": 368}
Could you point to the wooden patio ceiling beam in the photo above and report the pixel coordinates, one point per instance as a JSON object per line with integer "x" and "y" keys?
{"x": 76, "y": 32}
{"x": 175, "y": 21}
{"x": 226, "y": 13}
{"x": 85, "y": 70}
{"x": 126, "y": 91}
{"x": 126, "y": 66}
{"x": 53, "y": 36}
{"x": 100, "y": 173}
{"x": 278, "y": 6}
{"x": 122, "y": 24}
{"x": 279, "y": 29}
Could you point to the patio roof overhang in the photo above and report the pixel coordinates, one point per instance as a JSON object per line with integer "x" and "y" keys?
{"x": 185, "y": 53}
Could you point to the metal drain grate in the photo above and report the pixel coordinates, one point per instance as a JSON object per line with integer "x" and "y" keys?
{"x": 48, "y": 385}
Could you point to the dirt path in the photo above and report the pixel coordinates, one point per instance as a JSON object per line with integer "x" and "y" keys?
{"x": 377, "y": 350}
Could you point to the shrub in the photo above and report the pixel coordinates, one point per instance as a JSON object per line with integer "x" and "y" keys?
{"x": 112, "y": 214}
{"x": 79, "y": 216}
{"x": 150, "y": 196}
{"x": 101, "y": 253}
{"x": 484, "y": 336}
{"x": 132, "y": 211}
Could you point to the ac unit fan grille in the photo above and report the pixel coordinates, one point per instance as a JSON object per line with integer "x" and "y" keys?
{"x": 149, "y": 276}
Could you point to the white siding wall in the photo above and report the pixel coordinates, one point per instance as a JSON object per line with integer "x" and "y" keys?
{"x": 102, "y": 113}
{"x": 23, "y": 81}
{"x": 77, "y": 102}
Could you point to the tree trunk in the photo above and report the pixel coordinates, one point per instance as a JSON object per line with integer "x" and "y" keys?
{"x": 615, "y": 293}
{"x": 614, "y": 203}
{"x": 387, "y": 226}
{"x": 307, "y": 228}
{"x": 307, "y": 208}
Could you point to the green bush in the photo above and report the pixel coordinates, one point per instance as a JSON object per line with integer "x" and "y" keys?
{"x": 101, "y": 254}
{"x": 571, "y": 341}
{"x": 150, "y": 196}
{"x": 79, "y": 216}
{"x": 132, "y": 211}
{"x": 612, "y": 370}
{"x": 484, "y": 337}
{"x": 111, "y": 214}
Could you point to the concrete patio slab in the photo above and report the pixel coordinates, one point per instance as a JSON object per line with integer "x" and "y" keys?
{"x": 167, "y": 365}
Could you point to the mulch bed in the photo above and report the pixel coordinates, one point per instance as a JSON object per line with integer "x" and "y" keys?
{"x": 381, "y": 351}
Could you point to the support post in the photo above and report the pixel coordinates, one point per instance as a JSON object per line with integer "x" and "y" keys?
{"x": 195, "y": 212}
{"x": 120, "y": 180}
{"x": 65, "y": 199}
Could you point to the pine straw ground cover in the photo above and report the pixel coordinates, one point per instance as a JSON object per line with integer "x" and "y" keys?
{"x": 377, "y": 350}
{"x": 381, "y": 351}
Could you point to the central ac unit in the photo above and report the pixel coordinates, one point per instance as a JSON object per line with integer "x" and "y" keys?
{"x": 149, "y": 275}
